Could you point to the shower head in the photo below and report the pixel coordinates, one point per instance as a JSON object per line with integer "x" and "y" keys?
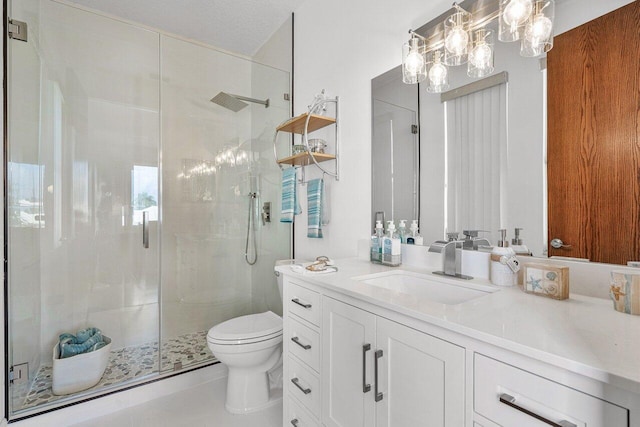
{"x": 235, "y": 102}
{"x": 229, "y": 102}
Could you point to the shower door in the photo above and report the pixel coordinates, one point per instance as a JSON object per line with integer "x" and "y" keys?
{"x": 82, "y": 175}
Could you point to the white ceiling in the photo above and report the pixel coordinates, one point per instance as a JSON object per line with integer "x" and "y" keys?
{"x": 240, "y": 26}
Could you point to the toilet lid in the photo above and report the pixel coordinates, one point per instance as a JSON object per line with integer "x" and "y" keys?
{"x": 250, "y": 327}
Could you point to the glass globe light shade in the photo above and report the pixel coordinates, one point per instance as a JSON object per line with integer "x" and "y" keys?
{"x": 438, "y": 74}
{"x": 457, "y": 41}
{"x": 480, "y": 56}
{"x": 539, "y": 29}
{"x": 414, "y": 62}
{"x": 517, "y": 12}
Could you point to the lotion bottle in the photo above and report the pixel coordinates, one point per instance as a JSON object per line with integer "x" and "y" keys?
{"x": 414, "y": 237}
{"x": 402, "y": 231}
{"x": 391, "y": 247}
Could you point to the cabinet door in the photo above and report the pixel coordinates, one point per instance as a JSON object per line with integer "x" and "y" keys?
{"x": 345, "y": 332}
{"x": 421, "y": 378}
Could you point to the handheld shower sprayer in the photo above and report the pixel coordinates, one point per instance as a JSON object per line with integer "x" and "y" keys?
{"x": 251, "y": 226}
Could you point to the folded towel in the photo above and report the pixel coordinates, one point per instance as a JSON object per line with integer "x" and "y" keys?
{"x": 290, "y": 205}
{"x": 315, "y": 190}
{"x": 84, "y": 341}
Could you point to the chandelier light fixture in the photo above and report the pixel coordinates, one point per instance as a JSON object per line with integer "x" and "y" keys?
{"x": 414, "y": 68}
{"x": 513, "y": 17}
{"x": 467, "y": 40}
{"x": 538, "y": 33}
{"x": 437, "y": 72}
{"x": 456, "y": 36}
{"x": 481, "y": 54}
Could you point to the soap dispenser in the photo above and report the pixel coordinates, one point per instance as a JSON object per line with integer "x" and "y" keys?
{"x": 376, "y": 243}
{"x": 414, "y": 237}
{"x": 517, "y": 245}
{"x": 504, "y": 264}
{"x": 391, "y": 249}
{"x": 402, "y": 231}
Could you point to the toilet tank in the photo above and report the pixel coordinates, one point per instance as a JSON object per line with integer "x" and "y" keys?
{"x": 278, "y": 275}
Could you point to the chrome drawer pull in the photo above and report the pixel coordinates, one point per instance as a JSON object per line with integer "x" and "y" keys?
{"x": 301, "y": 304}
{"x": 296, "y": 382}
{"x": 378, "y": 355}
{"x": 297, "y": 341}
{"x": 294, "y": 422}
{"x": 365, "y": 387}
{"x": 511, "y": 401}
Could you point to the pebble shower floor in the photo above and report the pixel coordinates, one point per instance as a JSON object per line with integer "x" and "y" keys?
{"x": 124, "y": 365}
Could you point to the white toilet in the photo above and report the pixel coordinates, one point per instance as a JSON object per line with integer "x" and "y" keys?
{"x": 250, "y": 346}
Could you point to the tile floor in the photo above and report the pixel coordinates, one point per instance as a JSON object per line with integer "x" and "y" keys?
{"x": 124, "y": 365}
{"x": 199, "y": 406}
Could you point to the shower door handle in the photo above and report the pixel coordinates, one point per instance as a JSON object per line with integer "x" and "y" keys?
{"x": 145, "y": 230}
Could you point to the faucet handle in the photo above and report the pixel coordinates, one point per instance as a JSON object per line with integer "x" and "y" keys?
{"x": 470, "y": 233}
{"x": 453, "y": 236}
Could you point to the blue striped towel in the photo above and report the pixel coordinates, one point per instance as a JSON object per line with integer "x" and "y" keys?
{"x": 290, "y": 205}
{"x": 315, "y": 190}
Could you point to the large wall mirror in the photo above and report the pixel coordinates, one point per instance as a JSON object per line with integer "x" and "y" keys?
{"x": 482, "y": 152}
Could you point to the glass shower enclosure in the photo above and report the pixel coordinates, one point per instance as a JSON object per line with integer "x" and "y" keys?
{"x": 128, "y": 202}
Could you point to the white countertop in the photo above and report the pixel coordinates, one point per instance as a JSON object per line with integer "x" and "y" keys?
{"x": 582, "y": 334}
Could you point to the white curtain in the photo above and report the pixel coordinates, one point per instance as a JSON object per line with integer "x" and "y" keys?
{"x": 476, "y": 143}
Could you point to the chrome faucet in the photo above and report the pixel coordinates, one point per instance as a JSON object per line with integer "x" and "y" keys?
{"x": 449, "y": 258}
{"x": 472, "y": 241}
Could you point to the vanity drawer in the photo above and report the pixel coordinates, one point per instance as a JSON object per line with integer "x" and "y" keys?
{"x": 304, "y": 343}
{"x": 304, "y": 303}
{"x": 304, "y": 385}
{"x": 510, "y": 396}
{"x": 298, "y": 416}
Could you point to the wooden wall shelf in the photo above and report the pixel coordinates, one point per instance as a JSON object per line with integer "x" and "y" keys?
{"x": 304, "y": 159}
{"x": 296, "y": 124}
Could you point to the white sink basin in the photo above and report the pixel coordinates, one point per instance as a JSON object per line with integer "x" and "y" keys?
{"x": 437, "y": 289}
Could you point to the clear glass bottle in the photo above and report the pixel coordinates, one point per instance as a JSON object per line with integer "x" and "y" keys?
{"x": 376, "y": 244}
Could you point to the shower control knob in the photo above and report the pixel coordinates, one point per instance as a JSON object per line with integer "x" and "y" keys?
{"x": 558, "y": 244}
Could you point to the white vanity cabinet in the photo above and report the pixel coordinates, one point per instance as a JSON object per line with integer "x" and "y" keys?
{"x": 381, "y": 373}
{"x": 350, "y": 362}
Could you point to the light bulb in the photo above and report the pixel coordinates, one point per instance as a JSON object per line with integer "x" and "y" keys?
{"x": 480, "y": 56}
{"x": 539, "y": 29}
{"x": 414, "y": 62}
{"x": 457, "y": 41}
{"x": 517, "y": 12}
{"x": 438, "y": 74}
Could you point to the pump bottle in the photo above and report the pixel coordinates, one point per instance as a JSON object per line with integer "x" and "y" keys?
{"x": 414, "y": 237}
{"x": 391, "y": 247}
{"x": 376, "y": 243}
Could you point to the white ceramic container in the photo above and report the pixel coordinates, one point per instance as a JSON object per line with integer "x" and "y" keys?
{"x": 80, "y": 372}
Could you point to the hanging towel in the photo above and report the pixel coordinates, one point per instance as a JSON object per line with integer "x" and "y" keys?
{"x": 315, "y": 190}
{"x": 290, "y": 205}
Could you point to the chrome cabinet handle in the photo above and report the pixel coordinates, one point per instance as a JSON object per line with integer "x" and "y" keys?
{"x": 297, "y": 341}
{"x": 365, "y": 387}
{"x": 557, "y": 244}
{"x": 378, "y": 355}
{"x": 294, "y": 422}
{"x": 296, "y": 382}
{"x": 145, "y": 230}
{"x": 511, "y": 401}
{"x": 301, "y": 304}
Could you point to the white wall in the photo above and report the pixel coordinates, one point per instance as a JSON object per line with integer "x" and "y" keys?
{"x": 340, "y": 46}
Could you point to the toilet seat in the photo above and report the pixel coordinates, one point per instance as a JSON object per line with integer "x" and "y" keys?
{"x": 249, "y": 329}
